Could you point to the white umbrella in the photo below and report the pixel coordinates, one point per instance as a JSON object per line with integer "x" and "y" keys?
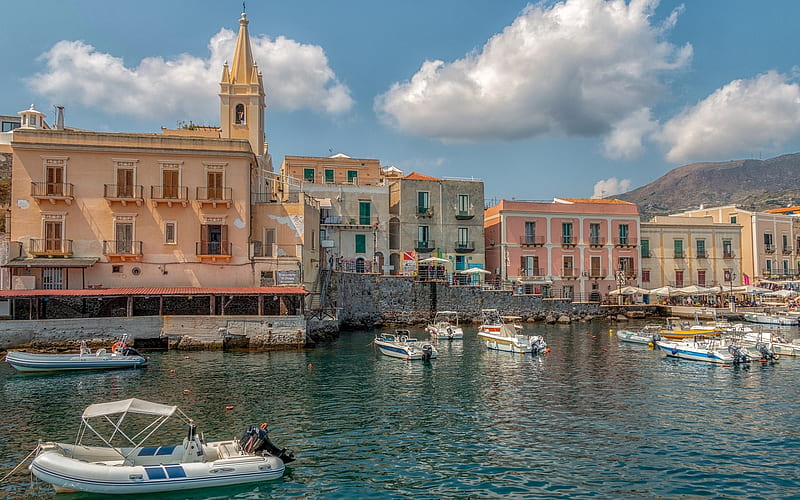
{"x": 787, "y": 294}
{"x": 666, "y": 291}
{"x": 475, "y": 270}
{"x": 434, "y": 260}
{"x": 629, "y": 290}
{"x": 750, "y": 290}
{"x": 697, "y": 290}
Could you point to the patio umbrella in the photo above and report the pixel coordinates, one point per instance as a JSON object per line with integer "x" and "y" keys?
{"x": 434, "y": 260}
{"x": 629, "y": 290}
{"x": 666, "y": 291}
{"x": 475, "y": 270}
{"x": 697, "y": 290}
{"x": 750, "y": 290}
{"x": 787, "y": 294}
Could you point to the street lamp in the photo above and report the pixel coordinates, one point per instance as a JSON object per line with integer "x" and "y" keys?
{"x": 732, "y": 276}
{"x": 620, "y": 284}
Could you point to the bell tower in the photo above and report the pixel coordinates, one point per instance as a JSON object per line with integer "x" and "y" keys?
{"x": 241, "y": 95}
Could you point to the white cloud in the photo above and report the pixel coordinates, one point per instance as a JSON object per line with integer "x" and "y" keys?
{"x": 739, "y": 118}
{"x": 610, "y": 187}
{"x": 297, "y": 76}
{"x": 625, "y": 139}
{"x": 574, "y": 68}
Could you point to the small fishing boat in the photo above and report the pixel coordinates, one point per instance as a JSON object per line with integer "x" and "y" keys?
{"x": 772, "y": 319}
{"x": 706, "y": 350}
{"x": 677, "y": 330}
{"x": 121, "y": 464}
{"x": 445, "y": 326}
{"x": 120, "y": 356}
{"x": 499, "y": 335}
{"x": 647, "y": 335}
{"x": 402, "y": 345}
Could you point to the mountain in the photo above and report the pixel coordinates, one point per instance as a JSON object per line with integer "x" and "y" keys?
{"x": 750, "y": 184}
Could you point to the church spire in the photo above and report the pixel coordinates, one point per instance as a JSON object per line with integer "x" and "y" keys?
{"x": 242, "y": 66}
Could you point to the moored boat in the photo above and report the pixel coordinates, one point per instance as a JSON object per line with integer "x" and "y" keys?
{"x": 401, "y": 345}
{"x": 647, "y": 335}
{"x": 120, "y": 356}
{"x": 705, "y": 350}
{"x": 677, "y": 330}
{"x": 121, "y": 464}
{"x": 499, "y": 335}
{"x": 445, "y": 326}
{"x": 772, "y": 319}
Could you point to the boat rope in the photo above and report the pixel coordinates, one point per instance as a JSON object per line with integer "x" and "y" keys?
{"x": 17, "y": 466}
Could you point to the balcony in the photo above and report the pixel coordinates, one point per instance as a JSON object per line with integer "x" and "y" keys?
{"x": 531, "y": 240}
{"x": 728, "y": 254}
{"x": 464, "y": 246}
{"x": 568, "y": 240}
{"x": 596, "y": 241}
{"x": 122, "y": 250}
{"x": 264, "y": 198}
{"x": 625, "y": 241}
{"x": 597, "y": 273}
{"x": 464, "y": 215}
{"x": 123, "y": 194}
{"x": 787, "y": 250}
{"x": 569, "y": 273}
{"x": 424, "y": 246}
{"x": 351, "y": 222}
{"x": 701, "y": 254}
{"x": 424, "y": 212}
{"x": 214, "y": 250}
{"x": 532, "y": 273}
{"x": 168, "y": 195}
{"x": 769, "y": 248}
{"x": 215, "y": 196}
{"x": 50, "y": 247}
{"x": 679, "y": 254}
{"x": 52, "y": 192}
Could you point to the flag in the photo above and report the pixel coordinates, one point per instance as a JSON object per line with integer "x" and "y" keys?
{"x": 746, "y": 279}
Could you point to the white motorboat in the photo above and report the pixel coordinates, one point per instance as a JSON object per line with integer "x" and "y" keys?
{"x": 445, "y": 326}
{"x": 502, "y": 336}
{"x": 402, "y": 345}
{"x": 772, "y": 319}
{"x": 706, "y": 350}
{"x": 120, "y": 356}
{"x": 647, "y": 335}
{"x": 767, "y": 345}
{"x": 120, "y": 464}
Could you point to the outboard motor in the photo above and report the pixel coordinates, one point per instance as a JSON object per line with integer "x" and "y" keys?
{"x": 427, "y": 352}
{"x": 538, "y": 345}
{"x": 130, "y": 351}
{"x": 739, "y": 356}
{"x": 766, "y": 353}
{"x": 255, "y": 440}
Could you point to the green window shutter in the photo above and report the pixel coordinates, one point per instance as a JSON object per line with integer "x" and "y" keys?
{"x": 352, "y": 176}
{"x": 361, "y": 243}
{"x": 308, "y": 174}
{"x": 363, "y": 212}
{"x": 329, "y": 176}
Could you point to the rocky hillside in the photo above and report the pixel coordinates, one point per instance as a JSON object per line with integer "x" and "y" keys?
{"x": 751, "y": 184}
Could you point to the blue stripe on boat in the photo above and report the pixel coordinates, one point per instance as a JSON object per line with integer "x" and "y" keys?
{"x": 174, "y": 471}
{"x": 148, "y": 451}
{"x": 165, "y": 450}
{"x": 155, "y": 473}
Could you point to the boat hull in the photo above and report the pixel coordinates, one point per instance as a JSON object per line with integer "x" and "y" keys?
{"x": 31, "y": 362}
{"x": 402, "y": 350}
{"x": 519, "y": 344}
{"x": 634, "y": 337}
{"x": 767, "y": 319}
{"x": 112, "y": 477}
{"x": 446, "y": 333}
{"x": 686, "y": 350}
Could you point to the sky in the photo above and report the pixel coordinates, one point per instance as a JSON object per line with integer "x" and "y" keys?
{"x": 571, "y": 98}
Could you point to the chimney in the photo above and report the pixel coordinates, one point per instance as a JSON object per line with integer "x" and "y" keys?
{"x": 59, "y": 117}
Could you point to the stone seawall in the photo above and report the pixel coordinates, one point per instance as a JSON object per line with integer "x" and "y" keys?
{"x": 366, "y": 300}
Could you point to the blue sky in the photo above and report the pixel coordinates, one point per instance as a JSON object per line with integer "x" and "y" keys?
{"x": 572, "y": 98}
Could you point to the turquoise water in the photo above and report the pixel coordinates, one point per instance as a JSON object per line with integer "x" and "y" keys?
{"x": 593, "y": 419}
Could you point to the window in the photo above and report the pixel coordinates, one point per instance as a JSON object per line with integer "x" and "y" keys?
{"x": 214, "y": 184}
{"x": 53, "y": 235}
{"x": 116, "y": 269}
{"x": 785, "y": 242}
{"x": 352, "y": 176}
{"x": 530, "y": 232}
{"x": 679, "y": 278}
{"x": 308, "y": 175}
{"x": 569, "y": 266}
{"x": 566, "y": 233}
{"x": 645, "y": 276}
{"x": 269, "y": 242}
{"x": 701, "y": 277}
{"x": 623, "y": 234}
{"x": 213, "y": 239}
{"x": 594, "y": 267}
{"x": 463, "y": 204}
{"x": 423, "y": 233}
{"x": 123, "y": 238}
{"x": 9, "y": 126}
{"x": 727, "y": 249}
{"x": 785, "y": 267}
{"x": 769, "y": 266}
{"x": 329, "y": 176}
{"x": 768, "y": 245}
{"x": 52, "y": 278}
{"x": 240, "y": 114}
{"x": 530, "y": 265}
{"x": 701, "y": 249}
{"x": 361, "y": 243}
{"x": 645, "y": 249}
{"x": 594, "y": 234}
{"x": 625, "y": 264}
{"x": 363, "y": 212}
{"x": 733, "y": 219}
{"x": 170, "y": 182}
{"x": 170, "y": 232}
{"x": 423, "y": 202}
{"x": 678, "y": 247}
{"x": 463, "y": 237}
{"x": 54, "y": 176}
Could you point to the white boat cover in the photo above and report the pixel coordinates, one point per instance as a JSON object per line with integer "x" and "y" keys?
{"x": 132, "y": 405}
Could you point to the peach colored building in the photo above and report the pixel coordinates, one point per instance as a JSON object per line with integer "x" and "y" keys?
{"x": 768, "y": 240}
{"x": 196, "y": 206}
{"x": 573, "y": 248}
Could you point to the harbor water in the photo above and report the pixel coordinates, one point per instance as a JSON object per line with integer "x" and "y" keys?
{"x": 594, "y": 418}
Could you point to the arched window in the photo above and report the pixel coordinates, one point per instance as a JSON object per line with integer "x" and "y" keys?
{"x": 240, "y": 114}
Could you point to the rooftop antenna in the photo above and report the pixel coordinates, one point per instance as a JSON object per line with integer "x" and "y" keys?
{"x": 244, "y": 8}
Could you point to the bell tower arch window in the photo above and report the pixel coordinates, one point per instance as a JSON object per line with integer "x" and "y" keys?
{"x": 240, "y": 118}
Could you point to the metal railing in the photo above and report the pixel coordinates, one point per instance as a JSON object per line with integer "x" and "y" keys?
{"x": 531, "y": 272}
{"x": 213, "y": 248}
{"x": 531, "y": 239}
{"x": 122, "y": 247}
{"x": 214, "y": 193}
{"x": 424, "y": 211}
{"x": 123, "y": 191}
{"x": 465, "y": 246}
{"x": 180, "y": 193}
{"x": 50, "y": 246}
{"x": 623, "y": 241}
{"x": 597, "y": 241}
{"x": 568, "y": 240}
{"x": 54, "y": 189}
{"x": 424, "y": 246}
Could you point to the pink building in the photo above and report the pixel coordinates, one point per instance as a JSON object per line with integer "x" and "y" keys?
{"x": 574, "y": 248}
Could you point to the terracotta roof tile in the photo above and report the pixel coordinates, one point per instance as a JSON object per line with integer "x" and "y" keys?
{"x": 414, "y": 176}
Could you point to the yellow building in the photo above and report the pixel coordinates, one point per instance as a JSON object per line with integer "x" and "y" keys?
{"x": 196, "y": 206}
